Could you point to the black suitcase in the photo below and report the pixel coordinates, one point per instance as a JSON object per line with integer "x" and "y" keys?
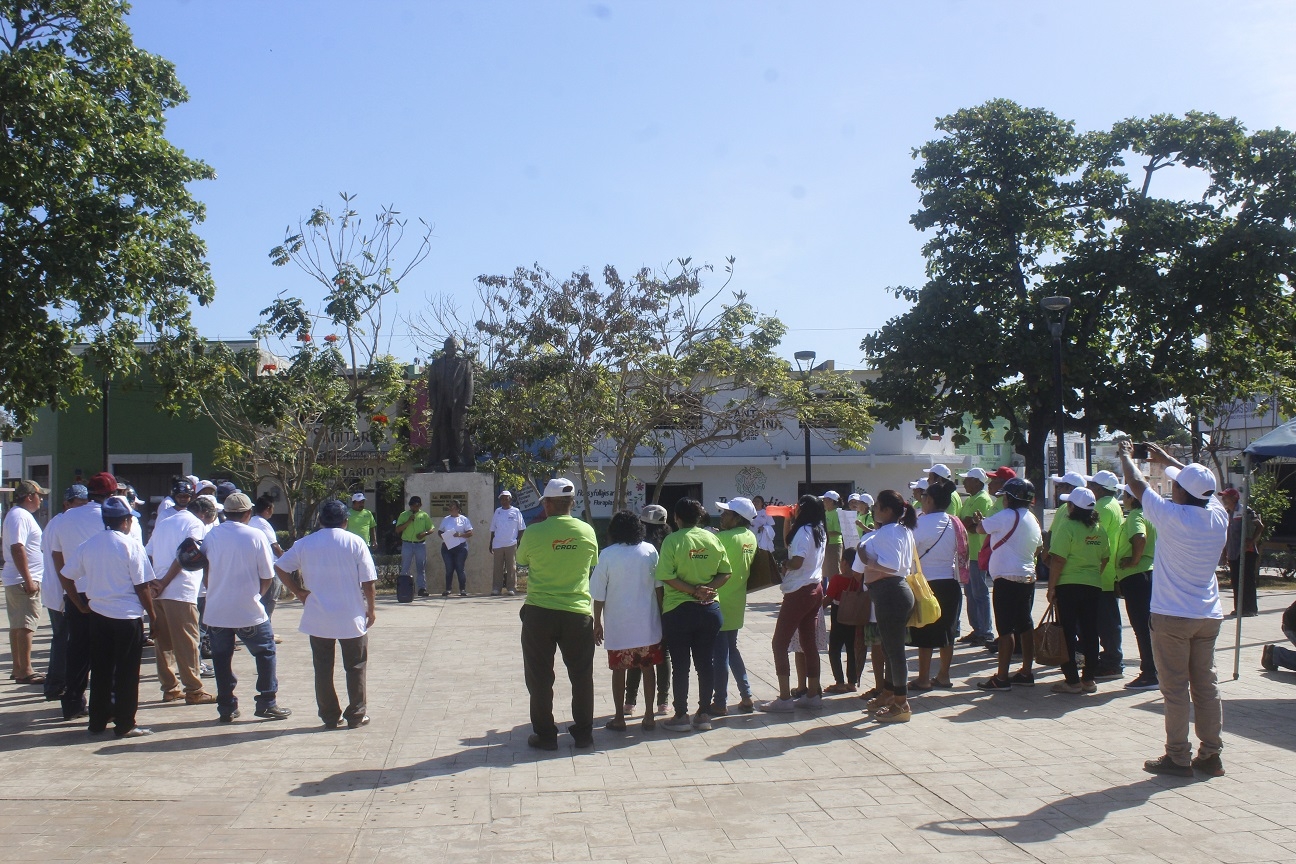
{"x": 404, "y": 589}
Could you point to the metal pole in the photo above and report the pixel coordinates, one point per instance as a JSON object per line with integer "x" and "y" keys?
{"x": 1057, "y": 393}
{"x": 106, "y": 387}
{"x": 1243, "y": 534}
{"x": 807, "y": 446}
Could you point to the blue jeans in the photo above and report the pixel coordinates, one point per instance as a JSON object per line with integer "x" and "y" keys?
{"x": 415, "y": 553}
{"x": 728, "y": 657}
{"x": 1285, "y": 658}
{"x": 454, "y": 560}
{"x": 56, "y": 674}
{"x": 977, "y": 591}
{"x": 259, "y": 642}
{"x": 689, "y": 631}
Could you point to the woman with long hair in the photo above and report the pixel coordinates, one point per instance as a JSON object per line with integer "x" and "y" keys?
{"x": 1078, "y": 552}
{"x": 937, "y": 539}
{"x": 885, "y": 559}
{"x": 1015, "y": 538}
{"x": 802, "y": 603}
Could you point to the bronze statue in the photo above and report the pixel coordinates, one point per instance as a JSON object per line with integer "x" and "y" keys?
{"x": 450, "y": 392}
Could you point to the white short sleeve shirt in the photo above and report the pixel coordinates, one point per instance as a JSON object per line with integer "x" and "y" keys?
{"x": 238, "y": 558}
{"x": 51, "y": 588}
{"x": 106, "y": 568}
{"x": 937, "y": 543}
{"x": 22, "y": 529}
{"x": 333, "y": 564}
{"x": 803, "y": 547}
{"x": 1189, "y": 542}
{"x": 891, "y": 546}
{"x": 624, "y": 580}
{"x": 162, "y": 546}
{"x": 451, "y": 524}
{"x": 506, "y": 525}
{"x": 1015, "y": 559}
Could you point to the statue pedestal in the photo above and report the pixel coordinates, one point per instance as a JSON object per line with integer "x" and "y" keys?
{"x": 476, "y": 494}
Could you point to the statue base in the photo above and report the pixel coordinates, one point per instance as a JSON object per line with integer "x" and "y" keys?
{"x": 476, "y": 495}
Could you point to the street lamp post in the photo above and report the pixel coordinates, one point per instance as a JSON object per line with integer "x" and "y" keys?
{"x": 1057, "y": 308}
{"x": 807, "y": 358}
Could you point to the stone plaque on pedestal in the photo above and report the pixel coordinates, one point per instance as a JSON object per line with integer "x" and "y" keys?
{"x": 476, "y": 495}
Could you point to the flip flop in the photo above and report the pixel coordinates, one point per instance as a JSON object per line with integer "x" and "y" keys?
{"x": 34, "y": 678}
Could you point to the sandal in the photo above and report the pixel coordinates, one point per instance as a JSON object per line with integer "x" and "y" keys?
{"x": 893, "y": 714}
{"x": 944, "y": 685}
{"x": 648, "y": 724}
{"x": 870, "y": 694}
{"x": 34, "y": 678}
{"x": 875, "y": 705}
{"x": 914, "y": 685}
{"x": 616, "y": 724}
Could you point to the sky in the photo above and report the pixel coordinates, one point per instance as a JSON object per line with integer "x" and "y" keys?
{"x": 574, "y": 134}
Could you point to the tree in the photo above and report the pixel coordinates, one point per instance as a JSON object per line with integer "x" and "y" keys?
{"x": 292, "y": 409}
{"x": 97, "y": 239}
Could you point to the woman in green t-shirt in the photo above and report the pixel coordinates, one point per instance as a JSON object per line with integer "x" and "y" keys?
{"x": 1078, "y": 552}
{"x": 1135, "y": 551}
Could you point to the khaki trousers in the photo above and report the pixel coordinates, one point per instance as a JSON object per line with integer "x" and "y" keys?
{"x": 505, "y": 568}
{"x": 1184, "y": 650}
{"x": 175, "y": 642}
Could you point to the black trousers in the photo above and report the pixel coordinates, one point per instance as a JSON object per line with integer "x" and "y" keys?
{"x": 1137, "y": 591}
{"x": 1109, "y": 632}
{"x": 1078, "y": 610}
{"x": 839, "y": 637}
{"x": 78, "y": 658}
{"x": 116, "y": 645}
{"x": 1246, "y": 582}
{"x": 355, "y": 654}
{"x": 545, "y": 631}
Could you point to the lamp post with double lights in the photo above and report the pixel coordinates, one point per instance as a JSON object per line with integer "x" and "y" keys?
{"x": 1057, "y": 308}
{"x": 805, "y": 365}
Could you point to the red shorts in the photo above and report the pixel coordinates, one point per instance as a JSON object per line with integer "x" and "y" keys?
{"x": 635, "y": 658}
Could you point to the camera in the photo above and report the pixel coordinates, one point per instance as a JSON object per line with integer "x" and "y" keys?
{"x": 1141, "y": 452}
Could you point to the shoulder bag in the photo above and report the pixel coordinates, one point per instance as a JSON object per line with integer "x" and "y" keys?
{"x": 926, "y": 608}
{"x": 1050, "y": 640}
{"x": 983, "y": 557}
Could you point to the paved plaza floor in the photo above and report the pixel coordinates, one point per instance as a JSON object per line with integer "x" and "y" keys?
{"x": 444, "y": 774}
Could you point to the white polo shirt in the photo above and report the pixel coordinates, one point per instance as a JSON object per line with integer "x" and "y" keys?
{"x": 78, "y": 526}
{"x": 333, "y": 563}
{"x": 506, "y": 525}
{"x": 106, "y": 568}
{"x": 21, "y": 529}
{"x": 162, "y": 548}
{"x": 1189, "y": 541}
{"x": 238, "y": 558}
{"x": 263, "y": 525}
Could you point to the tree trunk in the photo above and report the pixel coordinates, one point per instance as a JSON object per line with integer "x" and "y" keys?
{"x": 584, "y": 482}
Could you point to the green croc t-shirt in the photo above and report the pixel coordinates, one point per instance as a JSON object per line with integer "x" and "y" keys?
{"x": 1110, "y": 516}
{"x": 1135, "y": 524}
{"x": 832, "y": 524}
{"x": 360, "y": 522}
{"x": 420, "y": 523}
{"x": 981, "y": 503}
{"x": 955, "y": 507}
{"x": 1084, "y": 549}
{"x": 559, "y": 553}
{"x": 740, "y": 547}
{"x": 694, "y": 556}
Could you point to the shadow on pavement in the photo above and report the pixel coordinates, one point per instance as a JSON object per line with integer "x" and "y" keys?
{"x": 1268, "y": 721}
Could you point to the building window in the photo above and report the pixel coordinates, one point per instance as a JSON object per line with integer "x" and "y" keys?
{"x": 1078, "y": 449}
{"x": 980, "y": 449}
{"x": 998, "y": 449}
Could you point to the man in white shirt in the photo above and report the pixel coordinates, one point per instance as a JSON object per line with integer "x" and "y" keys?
{"x": 175, "y": 610}
{"x": 763, "y": 526}
{"x": 52, "y": 596}
{"x": 262, "y": 510}
{"x": 1191, "y": 531}
{"x": 506, "y": 528}
{"x": 332, "y": 573}
{"x": 239, "y": 568}
{"x": 112, "y": 570}
{"x": 182, "y": 492}
{"x": 22, "y": 571}
{"x": 80, "y": 525}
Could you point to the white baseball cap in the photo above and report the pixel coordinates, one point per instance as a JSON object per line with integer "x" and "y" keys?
{"x": 359, "y": 496}
{"x": 559, "y": 487}
{"x": 854, "y": 496}
{"x": 919, "y": 485}
{"x": 832, "y": 495}
{"x": 1108, "y": 480}
{"x": 1080, "y": 497}
{"x": 742, "y": 506}
{"x": 975, "y": 474}
{"x": 867, "y": 499}
{"x": 940, "y": 469}
{"x": 1072, "y": 478}
{"x": 1196, "y": 480}
{"x": 504, "y": 493}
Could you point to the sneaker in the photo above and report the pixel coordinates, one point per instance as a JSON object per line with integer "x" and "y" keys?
{"x": 678, "y": 723}
{"x": 1211, "y": 765}
{"x": 230, "y": 717}
{"x": 995, "y": 683}
{"x": 1088, "y": 686}
{"x": 1143, "y": 682}
{"x": 746, "y": 706}
{"x": 718, "y": 710}
{"x": 465, "y": 594}
{"x": 200, "y": 698}
{"x": 495, "y": 594}
{"x": 140, "y": 732}
{"x": 205, "y": 671}
{"x": 510, "y": 592}
{"x": 1069, "y": 688}
{"x": 1166, "y": 765}
{"x": 969, "y": 639}
{"x": 808, "y": 701}
{"x": 1266, "y": 658}
{"x": 1109, "y": 674}
{"x": 538, "y": 743}
{"x": 278, "y": 640}
{"x": 445, "y": 593}
{"x": 663, "y": 708}
{"x": 422, "y": 592}
{"x": 702, "y": 722}
{"x": 1023, "y": 679}
{"x": 273, "y": 712}
{"x": 777, "y": 706}
{"x": 358, "y": 722}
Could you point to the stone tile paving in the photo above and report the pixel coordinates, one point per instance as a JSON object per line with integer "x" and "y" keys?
{"x": 443, "y": 773}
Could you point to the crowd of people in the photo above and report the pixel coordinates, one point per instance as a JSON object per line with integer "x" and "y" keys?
{"x": 207, "y": 578}
{"x": 866, "y": 577}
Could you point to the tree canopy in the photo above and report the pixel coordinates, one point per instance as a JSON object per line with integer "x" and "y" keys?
{"x": 1172, "y": 299}
{"x": 97, "y": 239}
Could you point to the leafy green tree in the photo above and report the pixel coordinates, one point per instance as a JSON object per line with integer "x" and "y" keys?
{"x": 1268, "y": 499}
{"x": 97, "y": 239}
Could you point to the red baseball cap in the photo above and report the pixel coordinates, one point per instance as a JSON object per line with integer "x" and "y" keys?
{"x": 1003, "y": 472}
{"x": 102, "y": 483}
